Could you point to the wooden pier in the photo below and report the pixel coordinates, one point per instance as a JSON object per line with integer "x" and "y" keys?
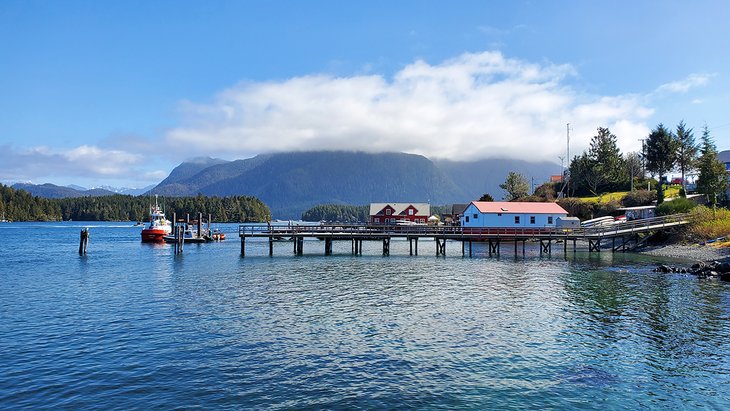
{"x": 623, "y": 236}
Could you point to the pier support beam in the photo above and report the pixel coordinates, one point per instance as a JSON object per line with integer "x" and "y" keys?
{"x": 594, "y": 245}
{"x": 300, "y": 245}
{"x": 546, "y": 246}
{"x": 243, "y": 246}
{"x": 327, "y": 246}
{"x": 493, "y": 246}
{"x": 386, "y": 246}
{"x": 440, "y": 246}
{"x": 271, "y": 246}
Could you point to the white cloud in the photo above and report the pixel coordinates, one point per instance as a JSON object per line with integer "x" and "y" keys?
{"x": 43, "y": 163}
{"x": 684, "y": 85}
{"x": 479, "y": 105}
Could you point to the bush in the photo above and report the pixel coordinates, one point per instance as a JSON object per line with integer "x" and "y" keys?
{"x": 607, "y": 208}
{"x": 638, "y": 198}
{"x": 708, "y": 224}
{"x": 677, "y": 206}
{"x": 577, "y": 208}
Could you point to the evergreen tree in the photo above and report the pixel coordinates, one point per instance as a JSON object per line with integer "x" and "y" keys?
{"x": 686, "y": 151}
{"x": 515, "y": 185}
{"x": 486, "y": 197}
{"x": 608, "y": 164}
{"x": 661, "y": 155}
{"x": 712, "y": 179}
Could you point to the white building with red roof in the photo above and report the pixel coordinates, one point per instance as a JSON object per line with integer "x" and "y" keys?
{"x": 502, "y": 214}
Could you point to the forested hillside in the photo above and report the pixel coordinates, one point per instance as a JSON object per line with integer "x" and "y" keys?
{"x": 19, "y": 205}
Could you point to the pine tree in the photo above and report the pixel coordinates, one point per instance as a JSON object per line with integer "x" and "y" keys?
{"x": 686, "y": 152}
{"x": 516, "y": 186}
{"x": 712, "y": 179}
{"x": 661, "y": 155}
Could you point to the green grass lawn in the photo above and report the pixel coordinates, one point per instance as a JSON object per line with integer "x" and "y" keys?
{"x": 669, "y": 192}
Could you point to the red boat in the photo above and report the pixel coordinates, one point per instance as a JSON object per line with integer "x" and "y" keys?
{"x": 158, "y": 228}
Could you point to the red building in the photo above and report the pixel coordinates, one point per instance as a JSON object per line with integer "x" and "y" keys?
{"x": 399, "y": 213}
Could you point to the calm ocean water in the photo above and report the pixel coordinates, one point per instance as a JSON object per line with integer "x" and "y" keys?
{"x": 132, "y": 326}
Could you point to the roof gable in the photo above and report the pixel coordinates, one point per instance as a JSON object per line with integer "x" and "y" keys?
{"x": 423, "y": 209}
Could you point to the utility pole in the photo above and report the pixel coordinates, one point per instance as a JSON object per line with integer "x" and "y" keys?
{"x": 567, "y": 155}
{"x": 643, "y": 158}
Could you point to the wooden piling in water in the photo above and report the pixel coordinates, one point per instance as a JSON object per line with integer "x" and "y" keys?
{"x": 83, "y": 241}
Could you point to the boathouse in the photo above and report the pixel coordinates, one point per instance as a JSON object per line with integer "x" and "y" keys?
{"x": 394, "y": 213}
{"x": 501, "y": 214}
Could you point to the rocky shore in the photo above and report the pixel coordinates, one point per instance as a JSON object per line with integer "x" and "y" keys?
{"x": 710, "y": 262}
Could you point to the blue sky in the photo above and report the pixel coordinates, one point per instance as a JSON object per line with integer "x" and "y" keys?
{"x": 95, "y": 93}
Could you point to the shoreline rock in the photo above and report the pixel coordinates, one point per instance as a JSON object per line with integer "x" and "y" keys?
{"x": 714, "y": 269}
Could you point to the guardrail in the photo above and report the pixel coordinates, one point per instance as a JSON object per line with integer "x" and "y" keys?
{"x": 364, "y": 230}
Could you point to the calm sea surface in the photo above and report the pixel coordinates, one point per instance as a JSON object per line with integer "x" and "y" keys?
{"x": 132, "y": 326}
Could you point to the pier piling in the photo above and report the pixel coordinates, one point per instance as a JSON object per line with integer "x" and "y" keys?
{"x": 83, "y": 241}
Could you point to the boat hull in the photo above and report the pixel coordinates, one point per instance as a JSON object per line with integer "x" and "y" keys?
{"x": 154, "y": 235}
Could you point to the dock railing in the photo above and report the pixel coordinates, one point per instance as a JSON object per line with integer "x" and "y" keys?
{"x": 457, "y": 232}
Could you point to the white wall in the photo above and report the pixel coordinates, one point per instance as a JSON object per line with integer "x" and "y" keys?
{"x": 505, "y": 219}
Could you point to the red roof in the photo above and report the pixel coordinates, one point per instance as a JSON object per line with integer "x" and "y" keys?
{"x": 526, "y": 207}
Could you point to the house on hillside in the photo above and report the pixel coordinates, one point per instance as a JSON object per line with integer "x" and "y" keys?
{"x": 500, "y": 214}
{"x": 399, "y": 213}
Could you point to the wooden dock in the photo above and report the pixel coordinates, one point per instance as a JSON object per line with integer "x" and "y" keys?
{"x": 623, "y": 236}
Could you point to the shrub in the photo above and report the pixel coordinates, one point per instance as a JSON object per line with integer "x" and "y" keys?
{"x": 676, "y": 206}
{"x": 707, "y": 224}
{"x": 638, "y": 198}
{"x": 607, "y": 208}
{"x": 577, "y": 208}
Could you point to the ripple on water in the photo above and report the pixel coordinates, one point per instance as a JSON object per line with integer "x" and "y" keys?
{"x": 132, "y": 326}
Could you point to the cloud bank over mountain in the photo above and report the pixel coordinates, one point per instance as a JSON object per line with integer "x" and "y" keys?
{"x": 474, "y": 106}
{"x": 471, "y": 107}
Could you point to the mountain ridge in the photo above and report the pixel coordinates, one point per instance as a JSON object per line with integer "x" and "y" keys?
{"x": 290, "y": 183}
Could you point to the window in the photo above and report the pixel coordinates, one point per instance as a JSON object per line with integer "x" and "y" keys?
{"x": 550, "y": 219}
{"x": 532, "y": 219}
{"x": 517, "y": 219}
{"x": 466, "y": 218}
{"x": 476, "y": 216}
{"x": 410, "y": 211}
{"x": 377, "y": 219}
{"x": 387, "y": 211}
{"x": 499, "y": 214}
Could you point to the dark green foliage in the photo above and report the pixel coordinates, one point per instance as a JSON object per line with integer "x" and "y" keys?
{"x": 547, "y": 191}
{"x": 638, "y": 198}
{"x": 19, "y": 205}
{"x": 486, "y": 197}
{"x": 337, "y": 212}
{"x": 712, "y": 179}
{"x": 603, "y": 209}
{"x": 516, "y": 186}
{"x": 687, "y": 150}
{"x": 576, "y": 208}
{"x": 661, "y": 155}
{"x": 601, "y": 169}
{"x": 676, "y": 206}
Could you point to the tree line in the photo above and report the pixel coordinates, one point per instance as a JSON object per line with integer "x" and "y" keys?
{"x": 19, "y": 205}
{"x": 603, "y": 168}
{"x": 343, "y": 213}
